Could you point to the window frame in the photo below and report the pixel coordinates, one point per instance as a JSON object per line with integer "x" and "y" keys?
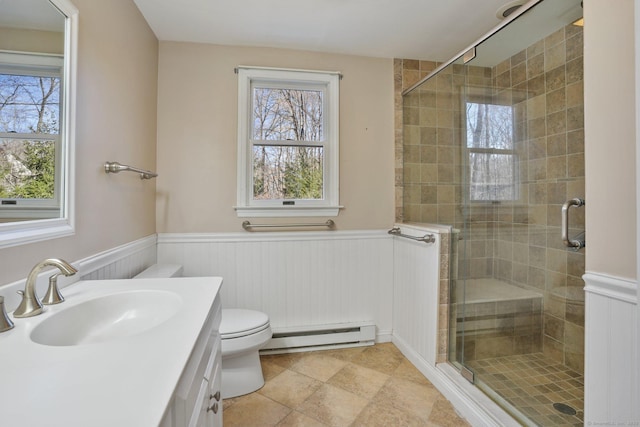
{"x": 512, "y": 152}
{"x": 15, "y": 233}
{"x": 38, "y": 65}
{"x": 277, "y": 78}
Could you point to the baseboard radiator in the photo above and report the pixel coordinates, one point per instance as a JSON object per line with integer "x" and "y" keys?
{"x": 320, "y": 337}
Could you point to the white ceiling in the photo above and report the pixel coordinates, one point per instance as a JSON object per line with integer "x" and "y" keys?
{"x": 417, "y": 29}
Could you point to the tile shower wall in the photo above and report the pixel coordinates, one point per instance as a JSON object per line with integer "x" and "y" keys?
{"x": 517, "y": 242}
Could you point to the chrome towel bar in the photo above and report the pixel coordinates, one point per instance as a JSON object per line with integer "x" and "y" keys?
{"x": 115, "y": 167}
{"x": 427, "y": 238}
{"x": 248, "y": 226}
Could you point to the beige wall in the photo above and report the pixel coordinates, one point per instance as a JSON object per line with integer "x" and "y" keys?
{"x": 610, "y": 138}
{"x": 116, "y": 120}
{"x": 197, "y": 127}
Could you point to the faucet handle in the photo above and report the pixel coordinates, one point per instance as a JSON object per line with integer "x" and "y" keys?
{"x": 5, "y": 322}
{"x": 53, "y": 295}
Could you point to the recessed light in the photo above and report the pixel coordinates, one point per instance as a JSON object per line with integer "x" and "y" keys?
{"x": 508, "y": 9}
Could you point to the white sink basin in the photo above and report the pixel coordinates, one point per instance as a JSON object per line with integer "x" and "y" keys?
{"x": 107, "y": 318}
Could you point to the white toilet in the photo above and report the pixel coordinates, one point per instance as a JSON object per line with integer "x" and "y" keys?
{"x": 243, "y": 333}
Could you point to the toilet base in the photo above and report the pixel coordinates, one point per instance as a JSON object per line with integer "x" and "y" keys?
{"x": 241, "y": 374}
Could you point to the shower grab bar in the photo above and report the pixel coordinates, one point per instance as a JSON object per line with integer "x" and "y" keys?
{"x": 248, "y": 226}
{"x": 115, "y": 167}
{"x": 571, "y": 243}
{"x": 427, "y": 238}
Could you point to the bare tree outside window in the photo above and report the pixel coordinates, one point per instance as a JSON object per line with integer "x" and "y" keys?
{"x": 491, "y": 154}
{"x": 29, "y": 128}
{"x": 287, "y": 151}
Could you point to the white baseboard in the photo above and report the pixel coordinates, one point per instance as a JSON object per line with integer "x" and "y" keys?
{"x": 384, "y": 336}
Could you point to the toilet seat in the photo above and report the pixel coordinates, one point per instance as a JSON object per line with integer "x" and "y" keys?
{"x": 237, "y": 322}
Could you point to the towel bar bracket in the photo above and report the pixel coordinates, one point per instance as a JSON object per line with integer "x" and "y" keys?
{"x": 115, "y": 167}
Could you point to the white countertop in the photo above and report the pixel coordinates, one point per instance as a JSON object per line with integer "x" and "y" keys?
{"x": 128, "y": 381}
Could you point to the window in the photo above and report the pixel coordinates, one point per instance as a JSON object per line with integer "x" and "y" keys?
{"x": 492, "y": 159}
{"x": 30, "y": 144}
{"x": 287, "y": 143}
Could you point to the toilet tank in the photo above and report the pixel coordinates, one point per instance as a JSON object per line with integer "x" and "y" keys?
{"x": 160, "y": 271}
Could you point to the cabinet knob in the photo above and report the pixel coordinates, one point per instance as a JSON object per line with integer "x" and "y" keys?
{"x": 215, "y": 396}
{"x": 213, "y": 408}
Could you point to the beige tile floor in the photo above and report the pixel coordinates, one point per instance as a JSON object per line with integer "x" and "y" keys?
{"x": 533, "y": 383}
{"x": 365, "y": 386}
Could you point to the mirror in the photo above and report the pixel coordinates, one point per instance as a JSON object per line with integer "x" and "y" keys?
{"x": 37, "y": 103}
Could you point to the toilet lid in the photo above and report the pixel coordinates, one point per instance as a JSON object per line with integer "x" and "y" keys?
{"x": 237, "y": 322}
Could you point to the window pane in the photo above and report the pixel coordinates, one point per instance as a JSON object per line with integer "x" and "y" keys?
{"x": 492, "y": 176}
{"x": 27, "y": 169}
{"x": 29, "y": 104}
{"x": 287, "y": 172}
{"x": 489, "y": 126}
{"x": 287, "y": 114}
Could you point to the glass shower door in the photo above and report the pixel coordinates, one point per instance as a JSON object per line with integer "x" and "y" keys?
{"x": 517, "y": 299}
{"x": 493, "y": 147}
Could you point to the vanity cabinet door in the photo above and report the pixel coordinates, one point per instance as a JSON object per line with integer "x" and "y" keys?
{"x": 215, "y": 390}
{"x": 214, "y": 393}
{"x": 209, "y": 412}
{"x": 208, "y": 409}
{"x": 195, "y": 403}
{"x": 200, "y": 416}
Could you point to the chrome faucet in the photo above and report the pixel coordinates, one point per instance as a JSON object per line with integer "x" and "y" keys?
{"x": 5, "y": 322}
{"x": 31, "y": 305}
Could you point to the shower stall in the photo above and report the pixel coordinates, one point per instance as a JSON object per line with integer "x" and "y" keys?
{"x": 493, "y": 146}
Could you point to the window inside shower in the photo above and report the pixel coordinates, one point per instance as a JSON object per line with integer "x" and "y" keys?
{"x": 490, "y": 152}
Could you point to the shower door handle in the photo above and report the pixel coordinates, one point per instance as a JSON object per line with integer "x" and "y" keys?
{"x": 571, "y": 243}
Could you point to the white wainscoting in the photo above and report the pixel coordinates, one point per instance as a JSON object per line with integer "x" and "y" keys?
{"x": 297, "y": 278}
{"x": 309, "y": 279}
{"x": 415, "y": 298}
{"x": 612, "y": 365}
{"x": 121, "y": 262}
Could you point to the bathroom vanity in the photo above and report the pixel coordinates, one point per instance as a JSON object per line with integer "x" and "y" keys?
{"x": 197, "y": 400}
{"x": 138, "y": 352}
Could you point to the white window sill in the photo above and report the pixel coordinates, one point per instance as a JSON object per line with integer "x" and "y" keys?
{"x": 19, "y": 233}
{"x": 285, "y": 211}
